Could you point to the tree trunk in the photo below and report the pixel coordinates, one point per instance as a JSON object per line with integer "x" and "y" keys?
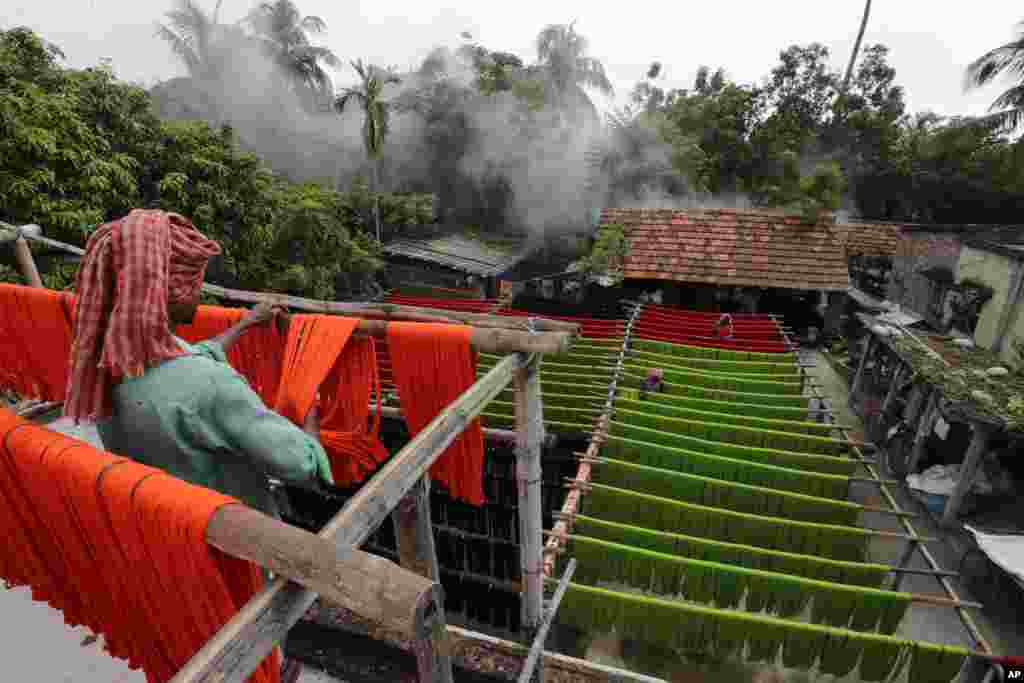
{"x": 856, "y": 47}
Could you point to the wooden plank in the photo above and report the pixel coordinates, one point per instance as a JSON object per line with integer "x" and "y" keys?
{"x": 238, "y": 648}
{"x": 370, "y": 586}
{"x": 968, "y": 470}
{"x": 529, "y": 414}
{"x": 526, "y": 675}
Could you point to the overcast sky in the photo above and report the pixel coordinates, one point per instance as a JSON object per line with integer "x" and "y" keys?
{"x": 931, "y": 42}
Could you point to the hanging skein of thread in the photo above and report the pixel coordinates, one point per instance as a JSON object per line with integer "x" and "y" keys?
{"x": 315, "y": 359}
{"x": 257, "y": 353}
{"x": 351, "y": 442}
{"x": 433, "y": 364}
{"x": 36, "y": 326}
{"x": 118, "y": 547}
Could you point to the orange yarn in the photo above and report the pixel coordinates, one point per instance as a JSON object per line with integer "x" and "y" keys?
{"x": 36, "y": 333}
{"x": 257, "y": 353}
{"x": 433, "y": 364}
{"x": 353, "y": 447}
{"x": 118, "y": 547}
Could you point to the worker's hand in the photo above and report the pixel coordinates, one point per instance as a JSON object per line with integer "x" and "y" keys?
{"x": 323, "y": 469}
{"x": 262, "y": 313}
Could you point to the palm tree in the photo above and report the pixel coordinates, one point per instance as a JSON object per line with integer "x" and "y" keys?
{"x": 1007, "y": 112}
{"x": 563, "y": 54}
{"x": 286, "y": 33}
{"x": 369, "y": 95}
{"x": 193, "y": 35}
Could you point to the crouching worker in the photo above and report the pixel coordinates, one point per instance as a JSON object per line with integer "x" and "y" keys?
{"x": 161, "y": 401}
{"x": 653, "y": 382}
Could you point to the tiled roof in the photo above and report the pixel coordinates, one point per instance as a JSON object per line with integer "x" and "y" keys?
{"x": 732, "y": 247}
{"x": 460, "y": 252}
{"x": 870, "y": 239}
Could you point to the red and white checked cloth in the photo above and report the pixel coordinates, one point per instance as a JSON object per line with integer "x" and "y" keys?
{"x": 132, "y": 269}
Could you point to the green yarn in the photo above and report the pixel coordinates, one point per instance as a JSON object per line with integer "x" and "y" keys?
{"x": 807, "y": 538}
{"x": 728, "y": 406}
{"x": 721, "y": 381}
{"x": 724, "y": 585}
{"x": 688, "y": 628}
{"x": 693, "y": 488}
{"x": 700, "y": 390}
{"x": 686, "y": 351}
{"x": 771, "y": 456}
{"x": 732, "y": 367}
{"x": 737, "y": 418}
{"x": 734, "y": 433}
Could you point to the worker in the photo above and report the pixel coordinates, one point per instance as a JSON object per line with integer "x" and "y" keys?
{"x": 653, "y": 382}
{"x": 164, "y": 402}
{"x": 724, "y": 328}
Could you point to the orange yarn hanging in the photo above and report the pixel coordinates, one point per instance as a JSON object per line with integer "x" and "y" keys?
{"x": 432, "y": 365}
{"x": 352, "y": 443}
{"x": 257, "y": 353}
{"x": 118, "y": 547}
{"x": 36, "y": 328}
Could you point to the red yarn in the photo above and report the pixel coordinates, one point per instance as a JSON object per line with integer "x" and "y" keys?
{"x": 434, "y": 364}
{"x": 36, "y": 329}
{"x": 118, "y": 547}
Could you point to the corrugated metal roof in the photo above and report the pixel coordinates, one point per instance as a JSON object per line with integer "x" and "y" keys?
{"x": 460, "y": 252}
{"x": 730, "y": 247}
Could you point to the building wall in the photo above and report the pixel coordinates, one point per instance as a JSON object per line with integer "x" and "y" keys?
{"x": 996, "y": 271}
{"x": 918, "y": 251}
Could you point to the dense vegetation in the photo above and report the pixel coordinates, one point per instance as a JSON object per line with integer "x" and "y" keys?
{"x": 299, "y": 186}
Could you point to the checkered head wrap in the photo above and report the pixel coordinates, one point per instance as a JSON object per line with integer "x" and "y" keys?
{"x": 132, "y": 269}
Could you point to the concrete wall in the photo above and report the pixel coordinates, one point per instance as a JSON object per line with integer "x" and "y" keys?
{"x": 916, "y": 251}
{"x": 997, "y": 272}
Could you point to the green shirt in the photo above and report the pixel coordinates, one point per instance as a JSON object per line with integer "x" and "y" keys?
{"x": 196, "y": 418}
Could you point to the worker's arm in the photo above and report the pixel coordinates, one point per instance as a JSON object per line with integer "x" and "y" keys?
{"x": 261, "y": 314}
{"x": 275, "y": 445}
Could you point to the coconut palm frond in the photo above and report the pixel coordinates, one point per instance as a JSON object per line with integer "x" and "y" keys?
{"x": 313, "y": 24}
{"x": 180, "y": 46}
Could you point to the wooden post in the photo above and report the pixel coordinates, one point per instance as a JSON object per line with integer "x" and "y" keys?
{"x": 241, "y": 644}
{"x": 968, "y": 470}
{"x": 414, "y": 536}
{"x": 923, "y": 428}
{"x": 855, "y": 388}
{"x": 894, "y": 383}
{"x": 26, "y": 263}
{"x": 529, "y": 411}
{"x": 916, "y": 402}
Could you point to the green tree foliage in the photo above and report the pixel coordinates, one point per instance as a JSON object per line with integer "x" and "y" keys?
{"x": 1007, "y": 112}
{"x": 80, "y": 148}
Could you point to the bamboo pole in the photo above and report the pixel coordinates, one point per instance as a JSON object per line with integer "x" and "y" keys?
{"x": 370, "y": 586}
{"x": 356, "y": 309}
{"x": 490, "y": 433}
{"x": 26, "y": 264}
{"x": 531, "y": 666}
{"x": 926, "y": 424}
{"x": 241, "y": 644}
{"x": 868, "y": 349}
{"x": 529, "y": 418}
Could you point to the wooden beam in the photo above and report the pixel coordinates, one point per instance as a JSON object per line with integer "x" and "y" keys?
{"x": 529, "y": 415}
{"x": 968, "y": 470}
{"x": 894, "y": 385}
{"x": 370, "y": 586}
{"x": 490, "y": 433}
{"x": 238, "y": 648}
